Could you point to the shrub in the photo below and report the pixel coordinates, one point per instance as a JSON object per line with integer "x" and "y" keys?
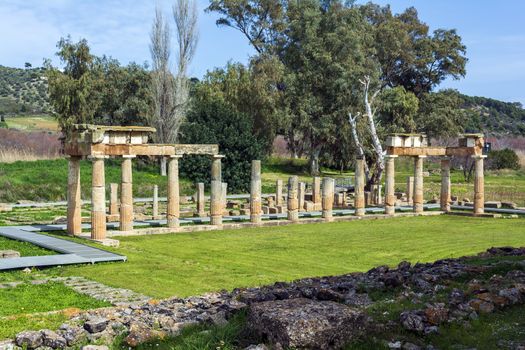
{"x": 212, "y": 121}
{"x": 503, "y": 159}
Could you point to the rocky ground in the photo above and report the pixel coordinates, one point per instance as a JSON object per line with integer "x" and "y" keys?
{"x": 406, "y": 307}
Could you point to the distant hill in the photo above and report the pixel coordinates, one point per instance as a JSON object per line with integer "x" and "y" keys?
{"x": 494, "y": 116}
{"x": 23, "y": 91}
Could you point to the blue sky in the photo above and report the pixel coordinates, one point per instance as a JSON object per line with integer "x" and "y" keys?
{"x": 493, "y": 31}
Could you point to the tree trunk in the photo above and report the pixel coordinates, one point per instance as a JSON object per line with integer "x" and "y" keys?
{"x": 163, "y": 171}
{"x": 314, "y": 161}
{"x": 2, "y": 118}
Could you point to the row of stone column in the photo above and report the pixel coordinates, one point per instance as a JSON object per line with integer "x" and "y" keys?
{"x": 417, "y": 186}
{"x": 98, "y": 195}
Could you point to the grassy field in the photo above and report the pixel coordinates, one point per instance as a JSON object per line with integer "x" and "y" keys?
{"x": 194, "y": 263}
{"x": 33, "y": 122}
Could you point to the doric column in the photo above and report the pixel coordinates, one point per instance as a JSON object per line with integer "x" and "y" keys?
{"x": 418, "y": 184}
{"x": 359, "y": 190}
{"x": 316, "y": 192}
{"x": 113, "y": 199}
{"x": 293, "y": 200}
{"x": 479, "y": 185}
{"x": 410, "y": 190}
{"x": 279, "y": 192}
{"x": 201, "y": 200}
{"x": 328, "y": 198}
{"x": 155, "y": 211}
{"x": 216, "y": 191}
{"x": 255, "y": 193}
{"x": 126, "y": 195}
{"x": 74, "y": 202}
{"x": 98, "y": 199}
{"x": 445, "y": 185}
{"x": 173, "y": 210}
{"x": 300, "y": 195}
{"x": 390, "y": 182}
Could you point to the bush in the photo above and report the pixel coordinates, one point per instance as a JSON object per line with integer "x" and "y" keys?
{"x": 503, "y": 159}
{"x": 212, "y": 121}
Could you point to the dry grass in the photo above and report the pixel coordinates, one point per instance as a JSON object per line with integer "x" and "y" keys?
{"x": 521, "y": 155}
{"x": 11, "y": 155}
{"x": 28, "y": 146}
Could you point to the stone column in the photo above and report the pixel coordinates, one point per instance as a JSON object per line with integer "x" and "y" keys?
{"x": 445, "y": 185}
{"x": 224, "y": 195}
{"x": 98, "y": 199}
{"x": 300, "y": 195}
{"x": 316, "y": 192}
{"x": 173, "y": 210}
{"x": 201, "y": 200}
{"x": 126, "y": 195}
{"x": 418, "y": 184}
{"x": 390, "y": 182}
{"x": 113, "y": 199}
{"x": 359, "y": 190}
{"x": 293, "y": 200}
{"x": 216, "y": 191}
{"x": 279, "y": 192}
{"x": 410, "y": 190}
{"x": 74, "y": 202}
{"x": 255, "y": 193}
{"x": 479, "y": 185}
{"x": 155, "y": 211}
{"x": 328, "y": 198}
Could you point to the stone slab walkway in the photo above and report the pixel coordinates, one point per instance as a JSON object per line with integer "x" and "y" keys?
{"x": 71, "y": 252}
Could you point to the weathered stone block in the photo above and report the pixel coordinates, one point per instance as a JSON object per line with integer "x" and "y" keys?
{"x": 305, "y": 323}
{"x": 8, "y": 254}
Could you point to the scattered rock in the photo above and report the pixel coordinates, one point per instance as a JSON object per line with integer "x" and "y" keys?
{"x": 96, "y": 325}
{"x": 304, "y": 323}
{"x": 481, "y": 306}
{"x": 437, "y": 314}
{"x": 9, "y": 254}
{"x": 412, "y": 321}
{"x": 53, "y": 340}
{"x": 29, "y": 339}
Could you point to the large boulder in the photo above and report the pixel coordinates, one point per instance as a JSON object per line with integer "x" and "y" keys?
{"x": 306, "y": 324}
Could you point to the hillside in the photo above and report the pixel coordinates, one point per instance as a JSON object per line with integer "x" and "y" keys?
{"x": 23, "y": 91}
{"x": 496, "y": 116}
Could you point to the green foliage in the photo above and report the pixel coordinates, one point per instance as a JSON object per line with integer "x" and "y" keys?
{"x": 211, "y": 120}
{"x": 495, "y": 116}
{"x": 503, "y": 159}
{"x": 398, "y": 109}
{"x": 23, "y": 91}
{"x": 97, "y": 90}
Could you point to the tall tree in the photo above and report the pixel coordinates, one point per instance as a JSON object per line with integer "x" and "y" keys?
{"x": 170, "y": 91}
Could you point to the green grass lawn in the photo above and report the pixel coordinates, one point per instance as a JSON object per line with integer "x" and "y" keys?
{"x": 193, "y": 263}
{"x": 19, "y": 305}
{"x": 24, "y": 248}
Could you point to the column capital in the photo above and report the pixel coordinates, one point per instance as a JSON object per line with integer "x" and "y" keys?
{"x": 478, "y": 156}
{"x": 392, "y": 156}
{"x": 218, "y": 156}
{"x": 175, "y": 156}
{"x": 129, "y": 156}
{"x": 420, "y": 156}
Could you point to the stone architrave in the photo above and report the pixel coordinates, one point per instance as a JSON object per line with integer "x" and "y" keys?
{"x": 74, "y": 202}
{"x": 316, "y": 192}
{"x": 328, "y": 198}
{"x": 300, "y": 195}
{"x": 216, "y": 191}
{"x": 113, "y": 199}
{"x": 173, "y": 209}
{"x": 255, "y": 193}
{"x": 98, "y": 198}
{"x": 410, "y": 190}
{"x": 418, "y": 184}
{"x": 444, "y": 199}
{"x": 390, "y": 197}
{"x": 293, "y": 200}
{"x": 279, "y": 192}
{"x": 201, "y": 200}
{"x": 359, "y": 200}
{"x": 126, "y": 195}
{"x": 479, "y": 185}
{"x": 155, "y": 210}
